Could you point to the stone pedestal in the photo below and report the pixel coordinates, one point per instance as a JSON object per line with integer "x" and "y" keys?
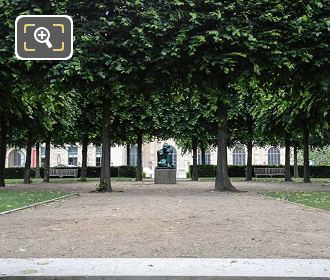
{"x": 166, "y": 176}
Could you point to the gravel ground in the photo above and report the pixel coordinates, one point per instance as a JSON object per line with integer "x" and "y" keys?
{"x": 185, "y": 220}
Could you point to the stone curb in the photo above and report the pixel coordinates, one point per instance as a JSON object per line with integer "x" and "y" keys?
{"x": 164, "y": 268}
{"x": 38, "y": 204}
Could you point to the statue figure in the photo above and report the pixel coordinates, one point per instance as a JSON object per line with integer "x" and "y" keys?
{"x": 165, "y": 157}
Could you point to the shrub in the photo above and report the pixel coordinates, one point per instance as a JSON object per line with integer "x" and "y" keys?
{"x": 316, "y": 171}
{"x": 127, "y": 171}
{"x": 14, "y": 173}
{"x": 203, "y": 171}
{"x": 92, "y": 172}
{"x": 240, "y": 171}
{"x": 95, "y": 171}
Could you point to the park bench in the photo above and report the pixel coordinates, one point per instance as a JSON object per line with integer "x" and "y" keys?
{"x": 269, "y": 172}
{"x": 63, "y": 172}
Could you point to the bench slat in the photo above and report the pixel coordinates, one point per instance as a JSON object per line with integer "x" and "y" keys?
{"x": 269, "y": 171}
{"x": 62, "y": 172}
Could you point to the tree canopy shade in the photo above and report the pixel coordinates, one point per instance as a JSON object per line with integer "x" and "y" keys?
{"x": 213, "y": 44}
{"x": 20, "y": 82}
{"x": 187, "y": 115}
{"x": 112, "y": 35}
{"x": 191, "y": 70}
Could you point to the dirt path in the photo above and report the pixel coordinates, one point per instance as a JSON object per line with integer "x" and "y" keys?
{"x": 186, "y": 220}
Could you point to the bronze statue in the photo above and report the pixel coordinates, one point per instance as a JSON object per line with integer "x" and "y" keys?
{"x": 165, "y": 157}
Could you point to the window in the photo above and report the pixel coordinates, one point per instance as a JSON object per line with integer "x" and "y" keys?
{"x": 73, "y": 155}
{"x": 58, "y": 159}
{"x": 133, "y": 156}
{"x": 174, "y": 157}
{"x": 239, "y": 156}
{"x": 98, "y": 154}
{"x": 42, "y": 155}
{"x": 16, "y": 158}
{"x": 274, "y": 156}
{"x": 207, "y": 157}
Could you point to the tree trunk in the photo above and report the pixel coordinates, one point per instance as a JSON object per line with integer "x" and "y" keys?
{"x": 203, "y": 155}
{"x": 139, "y": 169}
{"x": 47, "y": 161}
{"x": 38, "y": 160}
{"x": 128, "y": 154}
{"x": 194, "y": 176}
{"x": 295, "y": 164}
{"x": 3, "y": 148}
{"x": 83, "y": 176}
{"x": 222, "y": 182}
{"x": 307, "y": 177}
{"x": 105, "y": 179}
{"x": 287, "y": 172}
{"x": 249, "y": 161}
{"x": 27, "y": 167}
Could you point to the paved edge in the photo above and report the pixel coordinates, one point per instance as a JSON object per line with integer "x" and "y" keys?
{"x": 164, "y": 268}
{"x": 38, "y": 204}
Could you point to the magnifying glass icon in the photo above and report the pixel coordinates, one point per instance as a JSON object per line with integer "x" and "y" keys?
{"x": 41, "y": 35}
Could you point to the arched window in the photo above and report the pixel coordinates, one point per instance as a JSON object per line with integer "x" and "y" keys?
{"x": 174, "y": 157}
{"x": 239, "y": 156}
{"x": 73, "y": 155}
{"x": 16, "y": 158}
{"x": 98, "y": 155}
{"x": 133, "y": 155}
{"x": 274, "y": 156}
{"x": 207, "y": 157}
{"x": 42, "y": 155}
{"x": 58, "y": 159}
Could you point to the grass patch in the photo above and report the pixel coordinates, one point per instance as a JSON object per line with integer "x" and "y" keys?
{"x": 66, "y": 180}
{"x": 52, "y": 180}
{"x": 10, "y": 200}
{"x": 319, "y": 200}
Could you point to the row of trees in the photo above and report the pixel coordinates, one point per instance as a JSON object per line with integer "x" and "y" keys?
{"x": 206, "y": 73}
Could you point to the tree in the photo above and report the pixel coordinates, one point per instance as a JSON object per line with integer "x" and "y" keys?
{"x": 273, "y": 120}
{"x": 18, "y": 78}
{"x": 192, "y": 118}
{"x": 212, "y": 44}
{"x": 87, "y": 126}
{"x": 299, "y": 62}
{"x": 134, "y": 125}
{"x": 112, "y": 35}
{"x": 243, "y": 123}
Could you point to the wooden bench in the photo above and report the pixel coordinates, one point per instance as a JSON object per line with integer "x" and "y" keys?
{"x": 63, "y": 172}
{"x": 269, "y": 172}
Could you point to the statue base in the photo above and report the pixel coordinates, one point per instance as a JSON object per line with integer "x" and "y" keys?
{"x": 165, "y": 176}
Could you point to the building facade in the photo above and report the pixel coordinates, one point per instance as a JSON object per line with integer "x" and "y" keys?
{"x": 71, "y": 155}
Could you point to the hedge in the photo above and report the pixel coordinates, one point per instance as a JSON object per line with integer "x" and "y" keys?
{"x": 127, "y": 171}
{"x": 92, "y": 172}
{"x": 95, "y": 172}
{"x": 239, "y": 171}
{"x": 203, "y": 171}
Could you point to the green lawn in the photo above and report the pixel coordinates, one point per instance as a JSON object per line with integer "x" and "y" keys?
{"x": 319, "y": 200}
{"x": 16, "y": 199}
{"x": 63, "y": 180}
